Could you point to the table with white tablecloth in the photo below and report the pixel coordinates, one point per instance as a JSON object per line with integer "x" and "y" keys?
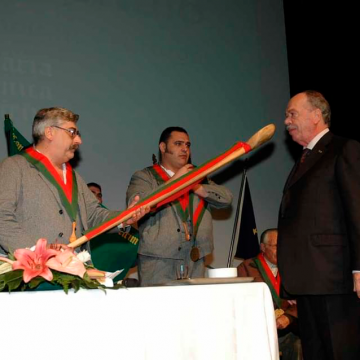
{"x": 228, "y": 321}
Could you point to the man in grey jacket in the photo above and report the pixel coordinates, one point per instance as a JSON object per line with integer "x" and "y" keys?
{"x": 177, "y": 237}
{"x": 41, "y": 196}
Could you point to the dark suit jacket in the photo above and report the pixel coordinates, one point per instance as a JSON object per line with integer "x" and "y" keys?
{"x": 319, "y": 220}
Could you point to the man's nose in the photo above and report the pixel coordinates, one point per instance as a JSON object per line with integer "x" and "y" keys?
{"x": 77, "y": 140}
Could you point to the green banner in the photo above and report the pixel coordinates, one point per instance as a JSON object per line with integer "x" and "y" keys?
{"x": 16, "y": 142}
{"x": 111, "y": 252}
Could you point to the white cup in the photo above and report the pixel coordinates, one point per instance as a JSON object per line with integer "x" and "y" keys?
{"x": 222, "y": 273}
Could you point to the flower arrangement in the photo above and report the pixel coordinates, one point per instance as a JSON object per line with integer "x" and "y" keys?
{"x": 57, "y": 265}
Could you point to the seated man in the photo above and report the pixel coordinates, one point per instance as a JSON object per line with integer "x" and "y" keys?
{"x": 263, "y": 268}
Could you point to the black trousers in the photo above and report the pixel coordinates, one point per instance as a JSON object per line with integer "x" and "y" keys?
{"x": 329, "y": 326}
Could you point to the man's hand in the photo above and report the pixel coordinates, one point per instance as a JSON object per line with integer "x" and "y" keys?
{"x": 59, "y": 247}
{"x": 182, "y": 171}
{"x": 282, "y": 322}
{"x": 197, "y": 189}
{"x": 356, "y": 277}
{"x": 200, "y": 191}
{"x": 139, "y": 213}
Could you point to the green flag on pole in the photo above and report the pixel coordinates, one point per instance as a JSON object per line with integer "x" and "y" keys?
{"x": 16, "y": 142}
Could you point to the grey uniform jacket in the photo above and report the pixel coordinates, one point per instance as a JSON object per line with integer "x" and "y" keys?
{"x": 162, "y": 233}
{"x": 30, "y": 207}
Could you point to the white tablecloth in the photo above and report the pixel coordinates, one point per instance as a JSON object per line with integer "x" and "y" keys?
{"x": 232, "y": 321}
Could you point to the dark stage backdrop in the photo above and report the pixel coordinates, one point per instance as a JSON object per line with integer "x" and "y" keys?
{"x": 322, "y": 48}
{"x": 130, "y": 68}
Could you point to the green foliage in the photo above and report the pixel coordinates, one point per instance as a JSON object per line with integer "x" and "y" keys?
{"x": 13, "y": 280}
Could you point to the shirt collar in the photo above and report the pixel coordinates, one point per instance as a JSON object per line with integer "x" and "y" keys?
{"x": 315, "y": 140}
{"x": 273, "y": 267}
{"x": 169, "y": 172}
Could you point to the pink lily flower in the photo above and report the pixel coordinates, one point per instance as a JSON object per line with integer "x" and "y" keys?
{"x": 67, "y": 262}
{"x": 34, "y": 262}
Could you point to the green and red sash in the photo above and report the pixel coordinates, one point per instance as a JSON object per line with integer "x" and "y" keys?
{"x": 168, "y": 188}
{"x": 68, "y": 192}
{"x": 272, "y": 281}
{"x": 185, "y": 203}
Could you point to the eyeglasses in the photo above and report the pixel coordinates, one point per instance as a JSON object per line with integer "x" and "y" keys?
{"x": 73, "y": 132}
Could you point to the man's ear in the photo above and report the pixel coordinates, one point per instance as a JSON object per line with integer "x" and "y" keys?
{"x": 317, "y": 117}
{"x": 262, "y": 247}
{"x": 49, "y": 133}
{"x": 162, "y": 147}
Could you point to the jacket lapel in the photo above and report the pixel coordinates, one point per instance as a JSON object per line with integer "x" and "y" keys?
{"x": 51, "y": 187}
{"x": 81, "y": 203}
{"x": 316, "y": 154}
{"x": 82, "y": 213}
{"x": 55, "y": 192}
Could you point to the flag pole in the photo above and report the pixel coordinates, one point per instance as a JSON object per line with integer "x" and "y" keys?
{"x": 237, "y": 220}
{"x": 7, "y": 119}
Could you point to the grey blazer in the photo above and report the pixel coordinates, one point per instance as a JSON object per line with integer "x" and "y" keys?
{"x": 162, "y": 233}
{"x": 30, "y": 207}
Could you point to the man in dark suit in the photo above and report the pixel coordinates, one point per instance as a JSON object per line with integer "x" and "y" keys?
{"x": 319, "y": 232}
